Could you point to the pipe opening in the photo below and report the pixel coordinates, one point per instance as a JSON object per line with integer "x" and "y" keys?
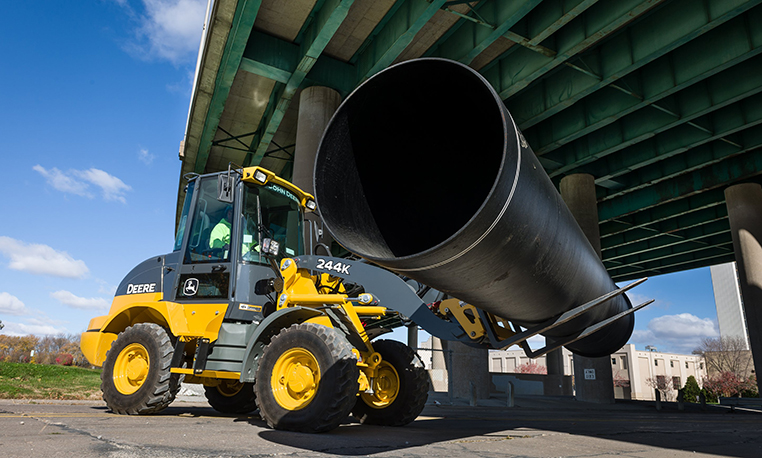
{"x": 409, "y": 159}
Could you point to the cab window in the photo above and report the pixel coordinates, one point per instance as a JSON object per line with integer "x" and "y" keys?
{"x": 271, "y": 211}
{"x": 209, "y": 239}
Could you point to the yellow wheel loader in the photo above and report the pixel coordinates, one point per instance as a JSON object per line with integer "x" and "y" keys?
{"x": 239, "y": 308}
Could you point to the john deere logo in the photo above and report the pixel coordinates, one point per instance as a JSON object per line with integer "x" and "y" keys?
{"x": 191, "y": 287}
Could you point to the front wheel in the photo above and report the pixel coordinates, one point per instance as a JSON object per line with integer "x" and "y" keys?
{"x": 307, "y": 379}
{"x": 136, "y": 377}
{"x": 400, "y": 388}
{"x": 231, "y": 396}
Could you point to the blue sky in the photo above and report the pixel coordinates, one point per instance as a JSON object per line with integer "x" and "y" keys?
{"x": 93, "y": 108}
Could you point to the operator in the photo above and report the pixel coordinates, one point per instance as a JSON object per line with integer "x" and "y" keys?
{"x": 220, "y": 237}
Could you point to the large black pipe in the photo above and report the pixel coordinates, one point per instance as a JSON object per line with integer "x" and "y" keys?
{"x": 422, "y": 170}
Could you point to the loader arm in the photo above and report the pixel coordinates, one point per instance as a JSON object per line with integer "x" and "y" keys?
{"x": 390, "y": 291}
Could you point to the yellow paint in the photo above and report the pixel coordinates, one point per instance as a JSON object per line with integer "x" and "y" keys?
{"x": 386, "y": 386}
{"x": 206, "y": 374}
{"x": 322, "y": 320}
{"x": 131, "y": 368}
{"x": 471, "y": 323}
{"x": 194, "y": 320}
{"x": 94, "y": 346}
{"x": 295, "y": 378}
{"x": 248, "y": 177}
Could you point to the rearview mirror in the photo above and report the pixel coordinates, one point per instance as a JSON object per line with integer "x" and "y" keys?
{"x": 225, "y": 188}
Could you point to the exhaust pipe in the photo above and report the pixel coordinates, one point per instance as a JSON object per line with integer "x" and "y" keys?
{"x": 423, "y": 171}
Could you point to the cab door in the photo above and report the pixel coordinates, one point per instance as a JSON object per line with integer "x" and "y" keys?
{"x": 206, "y": 267}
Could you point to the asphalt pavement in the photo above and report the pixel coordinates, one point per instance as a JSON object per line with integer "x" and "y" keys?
{"x": 535, "y": 427}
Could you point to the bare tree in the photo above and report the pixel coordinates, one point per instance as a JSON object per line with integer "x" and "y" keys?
{"x": 663, "y": 385}
{"x": 726, "y": 354}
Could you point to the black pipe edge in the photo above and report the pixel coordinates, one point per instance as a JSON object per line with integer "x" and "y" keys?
{"x": 423, "y": 171}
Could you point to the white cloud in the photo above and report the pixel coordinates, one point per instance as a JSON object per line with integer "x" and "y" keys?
{"x": 68, "y": 298}
{"x": 22, "y": 329}
{"x": 680, "y": 333}
{"x": 11, "y": 305}
{"x": 63, "y": 182}
{"x": 78, "y": 182}
{"x": 167, "y": 29}
{"x": 41, "y": 259}
{"x": 113, "y": 188}
{"x": 145, "y": 157}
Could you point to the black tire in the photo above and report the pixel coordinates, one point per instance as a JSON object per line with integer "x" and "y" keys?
{"x": 231, "y": 396}
{"x": 335, "y": 392}
{"x": 412, "y": 393}
{"x": 159, "y": 387}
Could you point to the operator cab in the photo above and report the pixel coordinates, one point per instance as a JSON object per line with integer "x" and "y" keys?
{"x": 222, "y": 236}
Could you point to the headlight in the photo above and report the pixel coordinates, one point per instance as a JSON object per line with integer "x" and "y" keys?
{"x": 311, "y": 205}
{"x": 270, "y": 246}
{"x": 260, "y": 176}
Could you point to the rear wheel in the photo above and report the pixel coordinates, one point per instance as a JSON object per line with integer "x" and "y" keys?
{"x": 136, "y": 377}
{"x": 231, "y": 396}
{"x": 307, "y": 379}
{"x": 400, "y": 388}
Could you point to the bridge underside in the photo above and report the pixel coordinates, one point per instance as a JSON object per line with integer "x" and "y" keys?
{"x": 659, "y": 100}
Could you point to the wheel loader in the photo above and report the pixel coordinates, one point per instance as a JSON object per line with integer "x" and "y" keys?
{"x": 240, "y": 306}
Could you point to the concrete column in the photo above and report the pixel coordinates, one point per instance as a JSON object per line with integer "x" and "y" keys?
{"x": 316, "y": 106}
{"x": 469, "y": 365}
{"x": 744, "y": 202}
{"x": 578, "y": 191}
{"x": 412, "y": 336}
{"x": 555, "y": 364}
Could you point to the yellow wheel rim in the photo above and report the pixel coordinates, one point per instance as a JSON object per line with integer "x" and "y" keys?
{"x": 386, "y": 387}
{"x": 229, "y": 388}
{"x": 295, "y": 379}
{"x": 131, "y": 368}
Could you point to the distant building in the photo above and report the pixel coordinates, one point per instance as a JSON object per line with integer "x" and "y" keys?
{"x": 631, "y": 368}
{"x": 727, "y": 298}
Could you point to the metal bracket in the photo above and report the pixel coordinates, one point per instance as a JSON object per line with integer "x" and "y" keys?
{"x": 202, "y": 352}
{"x": 521, "y": 337}
{"x": 589, "y": 330}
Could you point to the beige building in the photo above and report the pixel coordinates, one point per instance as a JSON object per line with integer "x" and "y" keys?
{"x": 631, "y": 368}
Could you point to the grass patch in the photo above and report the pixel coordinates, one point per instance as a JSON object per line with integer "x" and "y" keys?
{"x": 42, "y": 381}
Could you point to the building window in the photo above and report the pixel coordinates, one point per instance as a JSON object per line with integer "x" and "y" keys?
{"x": 686, "y": 364}
{"x": 671, "y": 364}
{"x": 497, "y": 365}
{"x": 613, "y": 361}
{"x": 624, "y": 363}
{"x": 676, "y": 383}
{"x": 656, "y": 362}
{"x": 701, "y": 366}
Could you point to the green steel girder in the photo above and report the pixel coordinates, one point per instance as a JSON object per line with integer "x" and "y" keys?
{"x": 673, "y": 209}
{"x": 720, "y": 174}
{"x": 471, "y": 38}
{"x": 670, "y": 228}
{"x": 316, "y": 37}
{"x": 552, "y": 15}
{"x": 694, "y": 236}
{"x": 278, "y": 59}
{"x": 715, "y": 126}
{"x": 729, "y": 75}
{"x": 639, "y": 44}
{"x": 243, "y": 21}
{"x": 659, "y": 259}
{"x": 717, "y": 244}
{"x": 395, "y": 36}
{"x": 694, "y": 159}
{"x": 519, "y": 66}
{"x": 684, "y": 262}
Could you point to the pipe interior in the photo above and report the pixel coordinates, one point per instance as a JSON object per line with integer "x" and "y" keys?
{"x": 409, "y": 159}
